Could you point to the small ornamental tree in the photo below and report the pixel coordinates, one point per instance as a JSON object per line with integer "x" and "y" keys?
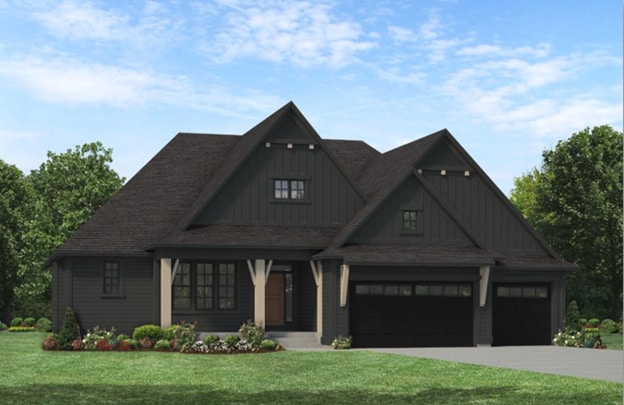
{"x": 70, "y": 330}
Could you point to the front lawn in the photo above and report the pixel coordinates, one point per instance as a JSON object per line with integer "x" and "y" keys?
{"x": 612, "y": 340}
{"x": 29, "y": 375}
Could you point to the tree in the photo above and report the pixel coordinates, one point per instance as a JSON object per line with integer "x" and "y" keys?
{"x": 14, "y": 194}
{"x": 575, "y": 202}
{"x": 68, "y": 188}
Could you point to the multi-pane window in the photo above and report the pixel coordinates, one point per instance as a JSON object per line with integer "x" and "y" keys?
{"x": 410, "y": 220}
{"x": 182, "y": 287}
{"x": 204, "y": 286}
{"x": 284, "y": 189}
{"x": 112, "y": 278}
{"x": 227, "y": 286}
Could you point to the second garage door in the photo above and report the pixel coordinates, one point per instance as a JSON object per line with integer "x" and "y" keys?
{"x": 411, "y": 315}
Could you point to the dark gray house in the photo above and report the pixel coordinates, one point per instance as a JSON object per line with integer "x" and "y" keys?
{"x": 412, "y": 247}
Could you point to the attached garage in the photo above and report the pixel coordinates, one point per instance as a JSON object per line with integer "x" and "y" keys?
{"x": 411, "y": 314}
{"x": 521, "y": 314}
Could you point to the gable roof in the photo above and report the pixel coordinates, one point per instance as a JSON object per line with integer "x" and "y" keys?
{"x": 247, "y": 145}
{"x": 157, "y": 206}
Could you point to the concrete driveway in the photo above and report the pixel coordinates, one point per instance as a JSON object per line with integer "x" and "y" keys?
{"x": 586, "y": 363}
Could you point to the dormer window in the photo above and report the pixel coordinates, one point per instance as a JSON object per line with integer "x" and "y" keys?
{"x": 288, "y": 189}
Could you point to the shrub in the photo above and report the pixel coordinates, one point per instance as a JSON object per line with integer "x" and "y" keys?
{"x": 30, "y": 321}
{"x": 595, "y": 322}
{"x": 253, "y": 333}
{"x": 21, "y": 329}
{"x": 17, "y": 321}
{"x": 162, "y": 345}
{"x": 3, "y": 327}
{"x": 69, "y": 330}
{"x": 50, "y": 342}
{"x": 77, "y": 344}
{"x": 103, "y": 345}
{"x": 568, "y": 339}
{"x": 44, "y": 325}
{"x": 211, "y": 339}
{"x": 572, "y": 321}
{"x": 341, "y": 343}
{"x": 152, "y": 332}
{"x": 231, "y": 341}
{"x": 199, "y": 347}
{"x": 132, "y": 344}
{"x": 182, "y": 336}
{"x": 146, "y": 343}
{"x": 268, "y": 344}
{"x": 96, "y": 336}
{"x": 609, "y": 326}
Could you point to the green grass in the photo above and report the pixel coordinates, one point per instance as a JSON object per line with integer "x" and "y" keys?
{"x": 29, "y": 375}
{"x": 612, "y": 340}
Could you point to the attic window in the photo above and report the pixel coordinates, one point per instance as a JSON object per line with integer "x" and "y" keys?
{"x": 287, "y": 189}
{"x": 410, "y": 221}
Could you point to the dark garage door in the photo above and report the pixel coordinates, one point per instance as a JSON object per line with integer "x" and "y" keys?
{"x": 521, "y": 315}
{"x": 411, "y": 315}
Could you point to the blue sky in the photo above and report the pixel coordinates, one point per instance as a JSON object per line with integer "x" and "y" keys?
{"x": 507, "y": 78}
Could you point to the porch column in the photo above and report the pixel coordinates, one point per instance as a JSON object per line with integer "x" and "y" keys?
{"x": 317, "y": 271}
{"x": 483, "y": 284}
{"x": 259, "y": 273}
{"x": 165, "y": 292}
{"x": 344, "y": 284}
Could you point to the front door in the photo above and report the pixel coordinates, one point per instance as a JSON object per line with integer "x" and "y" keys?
{"x": 274, "y": 293}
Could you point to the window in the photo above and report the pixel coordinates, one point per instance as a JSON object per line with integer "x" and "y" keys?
{"x": 522, "y": 291}
{"x": 227, "y": 286}
{"x": 182, "y": 287}
{"x": 409, "y": 221}
{"x": 204, "y": 286}
{"x": 112, "y": 278}
{"x": 289, "y": 189}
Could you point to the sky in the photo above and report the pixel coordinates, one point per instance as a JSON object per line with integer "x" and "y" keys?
{"x": 508, "y": 79}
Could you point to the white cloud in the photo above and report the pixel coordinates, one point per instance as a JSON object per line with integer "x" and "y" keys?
{"x": 304, "y": 34}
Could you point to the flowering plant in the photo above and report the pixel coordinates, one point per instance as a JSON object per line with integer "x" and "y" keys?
{"x": 342, "y": 342}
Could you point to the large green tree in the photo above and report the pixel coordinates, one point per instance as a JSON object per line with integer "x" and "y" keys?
{"x": 14, "y": 194}
{"x": 575, "y": 201}
{"x": 68, "y": 188}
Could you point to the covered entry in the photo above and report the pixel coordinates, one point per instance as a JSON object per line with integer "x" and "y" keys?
{"x": 411, "y": 314}
{"x": 521, "y": 314}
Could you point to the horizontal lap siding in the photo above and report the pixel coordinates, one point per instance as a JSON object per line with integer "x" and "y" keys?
{"x": 134, "y": 308}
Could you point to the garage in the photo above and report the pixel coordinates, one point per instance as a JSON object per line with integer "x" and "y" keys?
{"x": 521, "y": 315}
{"x": 411, "y": 314}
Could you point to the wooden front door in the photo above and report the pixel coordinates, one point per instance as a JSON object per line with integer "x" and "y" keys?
{"x": 274, "y": 306}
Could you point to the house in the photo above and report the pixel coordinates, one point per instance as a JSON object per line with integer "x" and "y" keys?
{"x": 412, "y": 247}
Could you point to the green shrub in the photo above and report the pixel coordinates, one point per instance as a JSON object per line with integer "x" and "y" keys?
{"x": 595, "y": 322}
{"x": 168, "y": 332}
{"x": 44, "y": 325}
{"x": 21, "y": 329}
{"x": 30, "y": 321}
{"x": 3, "y": 327}
{"x": 132, "y": 344}
{"x": 231, "y": 341}
{"x": 341, "y": 343}
{"x": 153, "y": 332}
{"x": 162, "y": 345}
{"x": 211, "y": 339}
{"x": 97, "y": 339}
{"x": 269, "y": 344}
{"x": 572, "y": 320}
{"x": 253, "y": 333}
{"x": 609, "y": 326}
{"x": 50, "y": 342}
{"x": 70, "y": 330}
{"x": 183, "y": 336}
{"x": 17, "y": 321}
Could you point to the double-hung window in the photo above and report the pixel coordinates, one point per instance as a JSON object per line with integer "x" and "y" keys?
{"x": 112, "y": 278}
{"x": 410, "y": 221}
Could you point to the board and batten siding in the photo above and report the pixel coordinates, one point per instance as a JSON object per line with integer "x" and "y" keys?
{"x": 433, "y": 223}
{"x": 492, "y": 221}
{"x": 248, "y": 197}
{"x": 131, "y": 308}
